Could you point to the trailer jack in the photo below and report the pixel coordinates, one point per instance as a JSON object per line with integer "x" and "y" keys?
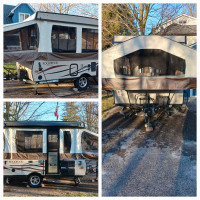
{"x": 148, "y": 124}
{"x": 36, "y": 87}
{"x": 77, "y": 181}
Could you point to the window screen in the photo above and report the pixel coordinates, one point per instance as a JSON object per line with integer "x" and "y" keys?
{"x": 22, "y": 39}
{"x": 149, "y": 62}
{"x": 67, "y": 141}
{"x": 29, "y": 141}
{"x": 89, "y": 142}
{"x": 63, "y": 39}
{"x": 89, "y": 40}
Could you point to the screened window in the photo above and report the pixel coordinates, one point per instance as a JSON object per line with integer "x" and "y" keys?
{"x": 67, "y": 141}
{"x": 149, "y": 62}
{"x": 89, "y": 142}
{"x": 29, "y": 141}
{"x": 25, "y": 38}
{"x": 63, "y": 39}
{"x": 89, "y": 40}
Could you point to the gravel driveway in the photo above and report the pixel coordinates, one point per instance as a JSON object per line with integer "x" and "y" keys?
{"x": 159, "y": 163}
{"x": 18, "y": 89}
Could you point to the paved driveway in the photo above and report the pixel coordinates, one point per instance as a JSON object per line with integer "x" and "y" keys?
{"x": 159, "y": 163}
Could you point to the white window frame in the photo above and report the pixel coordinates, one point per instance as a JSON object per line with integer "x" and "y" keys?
{"x": 23, "y": 15}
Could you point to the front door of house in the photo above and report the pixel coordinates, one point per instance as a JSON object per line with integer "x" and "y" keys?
{"x": 53, "y": 151}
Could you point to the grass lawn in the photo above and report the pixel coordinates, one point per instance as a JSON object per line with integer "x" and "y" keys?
{"x": 107, "y": 103}
{"x": 11, "y": 66}
{"x": 67, "y": 194}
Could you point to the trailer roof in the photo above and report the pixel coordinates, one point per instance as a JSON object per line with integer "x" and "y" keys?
{"x": 66, "y": 124}
{"x": 53, "y": 17}
{"x": 65, "y": 18}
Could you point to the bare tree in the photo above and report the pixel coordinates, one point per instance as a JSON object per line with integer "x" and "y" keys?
{"x": 134, "y": 19}
{"x": 89, "y": 114}
{"x": 190, "y": 9}
{"x": 17, "y": 111}
{"x": 88, "y": 10}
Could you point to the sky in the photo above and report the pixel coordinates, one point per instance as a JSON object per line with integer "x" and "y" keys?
{"x": 52, "y": 107}
{"x": 45, "y": 112}
{"x": 81, "y": 10}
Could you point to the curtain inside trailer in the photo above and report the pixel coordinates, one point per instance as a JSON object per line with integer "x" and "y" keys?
{"x": 63, "y": 39}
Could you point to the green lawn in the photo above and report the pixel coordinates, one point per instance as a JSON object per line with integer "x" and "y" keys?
{"x": 107, "y": 103}
{"x": 67, "y": 194}
{"x": 10, "y": 66}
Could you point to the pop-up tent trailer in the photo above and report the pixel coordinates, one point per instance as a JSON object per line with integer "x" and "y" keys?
{"x": 149, "y": 72}
{"x": 37, "y": 149}
{"x": 50, "y": 47}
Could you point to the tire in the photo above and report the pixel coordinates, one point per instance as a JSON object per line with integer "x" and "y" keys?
{"x": 77, "y": 181}
{"x": 81, "y": 83}
{"x": 35, "y": 180}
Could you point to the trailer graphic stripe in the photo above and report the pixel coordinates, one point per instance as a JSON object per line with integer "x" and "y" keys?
{"x": 59, "y": 71}
{"x": 27, "y": 169}
{"x": 62, "y": 70}
{"x": 88, "y": 68}
{"x": 51, "y": 68}
{"x": 78, "y": 71}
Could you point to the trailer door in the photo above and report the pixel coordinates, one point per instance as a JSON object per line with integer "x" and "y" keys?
{"x": 52, "y": 151}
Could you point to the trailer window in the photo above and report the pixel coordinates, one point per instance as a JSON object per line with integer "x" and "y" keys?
{"x": 25, "y": 38}
{"x": 67, "y": 141}
{"x": 63, "y": 39}
{"x": 89, "y": 40}
{"x": 149, "y": 62}
{"x": 89, "y": 142}
{"x": 29, "y": 141}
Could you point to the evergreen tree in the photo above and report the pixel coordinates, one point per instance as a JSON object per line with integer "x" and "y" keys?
{"x": 71, "y": 112}
{"x": 86, "y": 112}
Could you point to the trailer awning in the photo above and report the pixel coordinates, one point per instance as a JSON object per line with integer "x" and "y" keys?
{"x": 149, "y": 83}
{"x": 30, "y": 56}
{"x": 36, "y": 124}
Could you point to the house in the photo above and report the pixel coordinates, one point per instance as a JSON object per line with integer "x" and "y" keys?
{"x": 14, "y": 14}
{"x": 183, "y": 29}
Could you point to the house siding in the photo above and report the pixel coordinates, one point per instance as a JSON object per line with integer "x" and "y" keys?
{"x": 189, "y": 21}
{"x": 23, "y": 8}
{"x": 191, "y": 40}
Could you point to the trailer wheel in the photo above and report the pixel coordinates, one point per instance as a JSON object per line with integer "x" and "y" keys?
{"x": 81, "y": 83}
{"x": 35, "y": 180}
{"x": 77, "y": 181}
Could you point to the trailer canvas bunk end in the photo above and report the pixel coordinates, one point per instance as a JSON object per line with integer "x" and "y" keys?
{"x": 51, "y": 47}
{"x": 148, "y": 73}
{"x": 38, "y": 149}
